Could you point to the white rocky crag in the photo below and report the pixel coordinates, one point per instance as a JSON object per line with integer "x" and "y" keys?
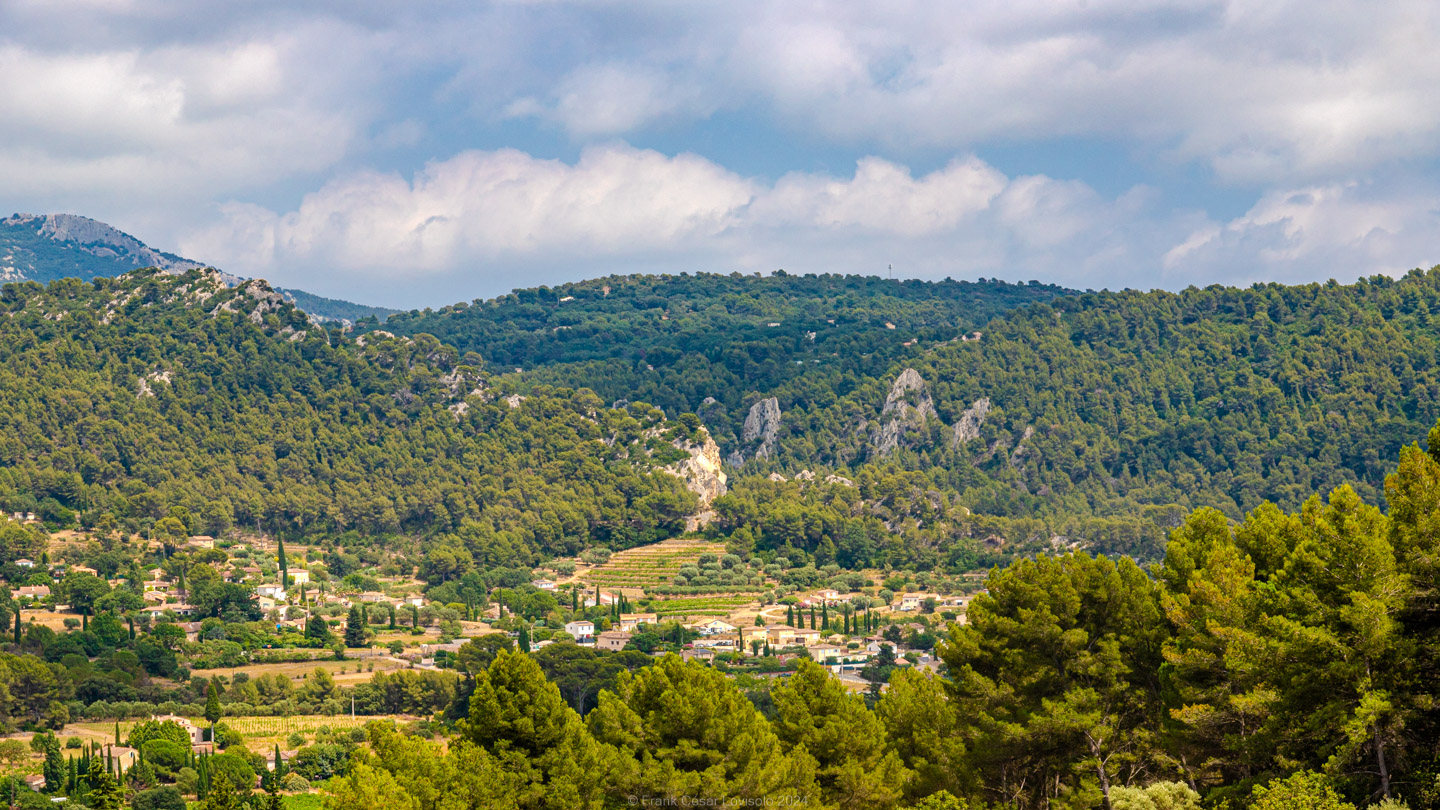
{"x": 907, "y": 407}
{"x": 702, "y": 474}
{"x": 971, "y": 420}
{"x": 759, "y": 433}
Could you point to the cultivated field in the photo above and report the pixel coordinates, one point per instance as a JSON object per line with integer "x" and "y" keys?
{"x": 648, "y": 566}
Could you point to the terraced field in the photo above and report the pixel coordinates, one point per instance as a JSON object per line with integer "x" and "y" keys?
{"x": 716, "y": 606}
{"x": 648, "y": 566}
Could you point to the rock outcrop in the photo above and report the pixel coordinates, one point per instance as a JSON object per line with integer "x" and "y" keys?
{"x": 907, "y": 407}
{"x": 971, "y": 420}
{"x": 701, "y": 471}
{"x": 758, "y": 435}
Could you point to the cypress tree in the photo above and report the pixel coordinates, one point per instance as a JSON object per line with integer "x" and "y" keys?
{"x": 17, "y": 625}
{"x": 825, "y": 615}
{"x": 574, "y": 600}
{"x": 392, "y": 616}
{"x": 284, "y": 567}
{"x": 524, "y": 641}
{"x": 132, "y": 628}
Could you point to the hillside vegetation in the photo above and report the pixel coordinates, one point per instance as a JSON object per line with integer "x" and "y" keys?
{"x": 124, "y": 399}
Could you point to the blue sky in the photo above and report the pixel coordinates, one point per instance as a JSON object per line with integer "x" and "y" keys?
{"x": 418, "y": 154}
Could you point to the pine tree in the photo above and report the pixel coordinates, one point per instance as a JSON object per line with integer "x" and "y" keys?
{"x": 355, "y": 628}
{"x": 317, "y": 629}
{"x": 105, "y": 792}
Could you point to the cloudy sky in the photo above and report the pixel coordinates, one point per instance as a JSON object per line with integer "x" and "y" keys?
{"x": 419, "y": 153}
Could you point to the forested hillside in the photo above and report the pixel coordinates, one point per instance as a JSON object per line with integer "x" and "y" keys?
{"x": 122, "y": 399}
{"x": 677, "y": 341}
{"x": 1114, "y": 401}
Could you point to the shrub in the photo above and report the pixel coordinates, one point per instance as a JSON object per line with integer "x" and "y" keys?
{"x": 294, "y": 782}
{"x": 234, "y": 767}
{"x": 165, "y": 797}
{"x": 167, "y": 756}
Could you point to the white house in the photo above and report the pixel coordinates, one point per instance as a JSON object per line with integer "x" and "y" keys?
{"x": 271, "y": 591}
{"x": 713, "y": 627}
{"x": 544, "y": 584}
{"x": 911, "y": 601}
{"x": 301, "y": 577}
{"x": 24, "y": 563}
{"x": 581, "y": 629}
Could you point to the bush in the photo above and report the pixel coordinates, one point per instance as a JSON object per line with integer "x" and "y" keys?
{"x": 165, "y": 797}
{"x": 73, "y": 742}
{"x": 1159, "y": 796}
{"x": 1302, "y": 791}
{"x": 234, "y": 767}
{"x": 294, "y": 782}
{"x": 227, "y": 737}
{"x": 186, "y": 780}
{"x": 322, "y": 761}
{"x": 148, "y": 730}
{"x": 166, "y": 755}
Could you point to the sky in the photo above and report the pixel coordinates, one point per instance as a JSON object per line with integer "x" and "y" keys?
{"x": 420, "y": 153}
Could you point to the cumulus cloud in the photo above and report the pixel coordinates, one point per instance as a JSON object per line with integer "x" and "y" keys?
{"x": 284, "y": 140}
{"x": 493, "y": 212}
{"x": 1340, "y": 230}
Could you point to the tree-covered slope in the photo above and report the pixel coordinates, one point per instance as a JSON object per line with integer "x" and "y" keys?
{"x": 1115, "y": 402}
{"x": 133, "y": 396}
{"x": 676, "y": 340}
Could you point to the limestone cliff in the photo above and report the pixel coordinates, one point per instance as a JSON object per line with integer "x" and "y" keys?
{"x": 759, "y": 434}
{"x": 702, "y": 475}
{"x": 907, "y": 407}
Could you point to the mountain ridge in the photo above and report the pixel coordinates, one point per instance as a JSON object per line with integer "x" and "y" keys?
{"x": 48, "y": 247}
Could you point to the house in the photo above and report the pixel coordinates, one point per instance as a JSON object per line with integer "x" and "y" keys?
{"x": 24, "y": 563}
{"x": 192, "y": 630}
{"x": 825, "y": 652}
{"x": 703, "y": 656}
{"x": 271, "y": 590}
{"x": 371, "y": 597}
{"x": 31, "y": 592}
{"x": 35, "y": 782}
{"x": 267, "y": 604}
{"x": 301, "y": 577}
{"x": 197, "y": 734}
{"x": 713, "y": 627}
{"x": 544, "y": 584}
{"x": 782, "y": 635}
{"x": 83, "y": 569}
{"x": 630, "y": 621}
{"x": 201, "y": 541}
{"x": 828, "y": 596}
{"x": 581, "y": 629}
{"x": 911, "y": 601}
{"x": 429, "y": 650}
{"x": 725, "y": 642}
{"x": 155, "y": 597}
{"x": 612, "y": 640}
{"x": 417, "y": 601}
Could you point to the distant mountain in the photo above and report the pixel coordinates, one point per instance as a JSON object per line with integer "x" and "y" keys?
{"x": 47, "y": 247}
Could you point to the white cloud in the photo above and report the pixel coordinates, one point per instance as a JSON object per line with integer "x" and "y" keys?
{"x": 1341, "y": 231}
{"x": 480, "y": 218}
